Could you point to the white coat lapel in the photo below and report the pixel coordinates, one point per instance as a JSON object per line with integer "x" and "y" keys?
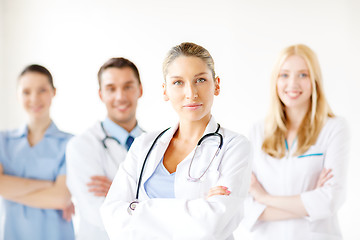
{"x": 157, "y": 154}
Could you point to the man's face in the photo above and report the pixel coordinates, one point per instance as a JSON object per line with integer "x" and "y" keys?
{"x": 120, "y": 91}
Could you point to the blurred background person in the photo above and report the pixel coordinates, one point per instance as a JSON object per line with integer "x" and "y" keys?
{"x": 300, "y": 156}
{"x": 32, "y": 166}
{"x": 94, "y": 156}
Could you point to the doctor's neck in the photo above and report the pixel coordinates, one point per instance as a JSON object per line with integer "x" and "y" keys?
{"x": 294, "y": 117}
{"x": 128, "y": 124}
{"x": 192, "y": 130}
{"x": 39, "y": 125}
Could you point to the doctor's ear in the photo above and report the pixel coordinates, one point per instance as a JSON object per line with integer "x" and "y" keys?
{"x": 217, "y": 86}
{"x": 100, "y": 95}
{"x": 140, "y": 91}
{"x": 166, "y": 98}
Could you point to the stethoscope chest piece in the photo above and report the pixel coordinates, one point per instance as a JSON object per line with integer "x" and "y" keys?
{"x": 191, "y": 179}
{"x": 132, "y": 206}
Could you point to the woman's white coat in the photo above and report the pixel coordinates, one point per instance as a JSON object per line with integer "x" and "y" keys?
{"x": 189, "y": 215}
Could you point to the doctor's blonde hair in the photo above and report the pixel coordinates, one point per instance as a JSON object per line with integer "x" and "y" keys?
{"x": 314, "y": 120}
{"x": 188, "y": 49}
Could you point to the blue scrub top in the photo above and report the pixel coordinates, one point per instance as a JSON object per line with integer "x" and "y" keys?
{"x": 44, "y": 161}
{"x": 161, "y": 183}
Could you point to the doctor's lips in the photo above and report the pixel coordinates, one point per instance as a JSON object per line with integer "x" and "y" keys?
{"x": 122, "y": 107}
{"x": 192, "y": 106}
{"x": 293, "y": 94}
{"x": 36, "y": 108}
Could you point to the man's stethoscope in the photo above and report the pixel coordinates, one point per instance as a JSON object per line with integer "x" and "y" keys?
{"x": 107, "y": 137}
{"x": 107, "y": 149}
{"x": 133, "y": 204}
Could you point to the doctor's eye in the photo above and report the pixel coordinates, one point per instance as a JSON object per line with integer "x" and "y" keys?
{"x": 178, "y": 82}
{"x": 128, "y": 87}
{"x": 283, "y": 75}
{"x": 25, "y": 92}
{"x": 110, "y": 89}
{"x": 42, "y": 90}
{"x": 200, "y": 80}
{"x": 303, "y": 75}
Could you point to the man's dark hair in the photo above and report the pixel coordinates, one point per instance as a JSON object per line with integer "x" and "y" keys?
{"x": 118, "y": 63}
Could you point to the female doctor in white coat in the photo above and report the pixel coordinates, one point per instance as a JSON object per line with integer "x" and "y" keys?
{"x": 300, "y": 156}
{"x": 186, "y": 191}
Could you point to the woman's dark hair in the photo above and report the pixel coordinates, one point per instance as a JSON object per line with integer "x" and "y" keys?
{"x": 38, "y": 69}
{"x": 118, "y": 63}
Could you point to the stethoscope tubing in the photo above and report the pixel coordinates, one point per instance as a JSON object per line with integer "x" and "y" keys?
{"x": 143, "y": 166}
{"x": 216, "y": 133}
{"x": 107, "y": 136}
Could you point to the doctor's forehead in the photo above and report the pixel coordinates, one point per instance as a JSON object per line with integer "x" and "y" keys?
{"x": 33, "y": 79}
{"x": 118, "y": 76}
{"x": 187, "y": 66}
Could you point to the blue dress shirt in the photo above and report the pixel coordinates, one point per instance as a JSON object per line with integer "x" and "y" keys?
{"x": 43, "y": 161}
{"x": 120, "y": 133}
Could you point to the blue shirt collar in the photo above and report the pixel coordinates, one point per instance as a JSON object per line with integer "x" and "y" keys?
{"x": 120, "y": 133}
{"x": 51, "y": 131}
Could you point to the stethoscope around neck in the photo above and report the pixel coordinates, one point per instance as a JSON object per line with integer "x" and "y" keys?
{"x": 133, "y": 204}
{"x": 107, "y": 137}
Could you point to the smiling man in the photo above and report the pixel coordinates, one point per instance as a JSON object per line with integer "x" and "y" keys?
{"x": 94, "y": 156}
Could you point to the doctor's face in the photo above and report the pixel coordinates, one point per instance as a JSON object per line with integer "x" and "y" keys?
{"x": 120, "y": 91}
{"x": 35, "y": 93}
{"x": 294, "y": 84}
{"x": 190, "y": 88}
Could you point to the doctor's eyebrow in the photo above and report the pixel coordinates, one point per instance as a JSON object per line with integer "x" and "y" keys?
{"x": 173, "y": 77}
{"x": 196, "y": 75}
{"x": 287, "y": 70}
{"x": 130, "y": 82}
{"x": 202, "y": 73}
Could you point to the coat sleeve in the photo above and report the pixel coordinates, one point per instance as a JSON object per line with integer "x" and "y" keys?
{"x": 253, "y": 209}
{"x": 215, "y": 218}
{"x": 83, "y": 162}
{"x": 325, "y": 201}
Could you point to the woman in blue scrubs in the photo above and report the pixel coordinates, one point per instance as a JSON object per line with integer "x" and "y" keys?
{"x": 32, "y": 167}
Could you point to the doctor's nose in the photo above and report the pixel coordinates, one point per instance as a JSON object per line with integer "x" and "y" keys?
{"x": 191, "y": 92}
{"x": 34, "y": 97}
{"x": 293, "y": 79}
{"x": 119, "y": 94}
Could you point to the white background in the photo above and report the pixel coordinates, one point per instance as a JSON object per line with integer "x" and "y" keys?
{"x": 74, "y": 38}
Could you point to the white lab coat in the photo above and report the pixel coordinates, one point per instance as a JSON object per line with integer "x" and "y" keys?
{"x": 188, "y": 216}
{"x": 87, "y": 157}
{"x": 292, "y": 176}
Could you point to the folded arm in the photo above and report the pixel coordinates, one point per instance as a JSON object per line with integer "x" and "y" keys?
{"x": 55, "y": 197}
{"x": 85, "y": 177}
{"x": 12, "y": 186}
{"x": 177, "y": 218}
{"x": 283, "y": 207}
{"x": 276, "y": 214}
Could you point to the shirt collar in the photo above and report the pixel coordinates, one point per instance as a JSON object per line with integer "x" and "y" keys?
{"x": 19, "y": 133}
{"x": 120, "y": 133}
{"x": 51, "y": 131}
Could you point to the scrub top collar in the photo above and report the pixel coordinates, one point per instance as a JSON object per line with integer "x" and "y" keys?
{"x": 210, "y": 128}
{"x": 292, "y": 148}
{"x": 120, "y": 133}
{"x": 51, "y": 131}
